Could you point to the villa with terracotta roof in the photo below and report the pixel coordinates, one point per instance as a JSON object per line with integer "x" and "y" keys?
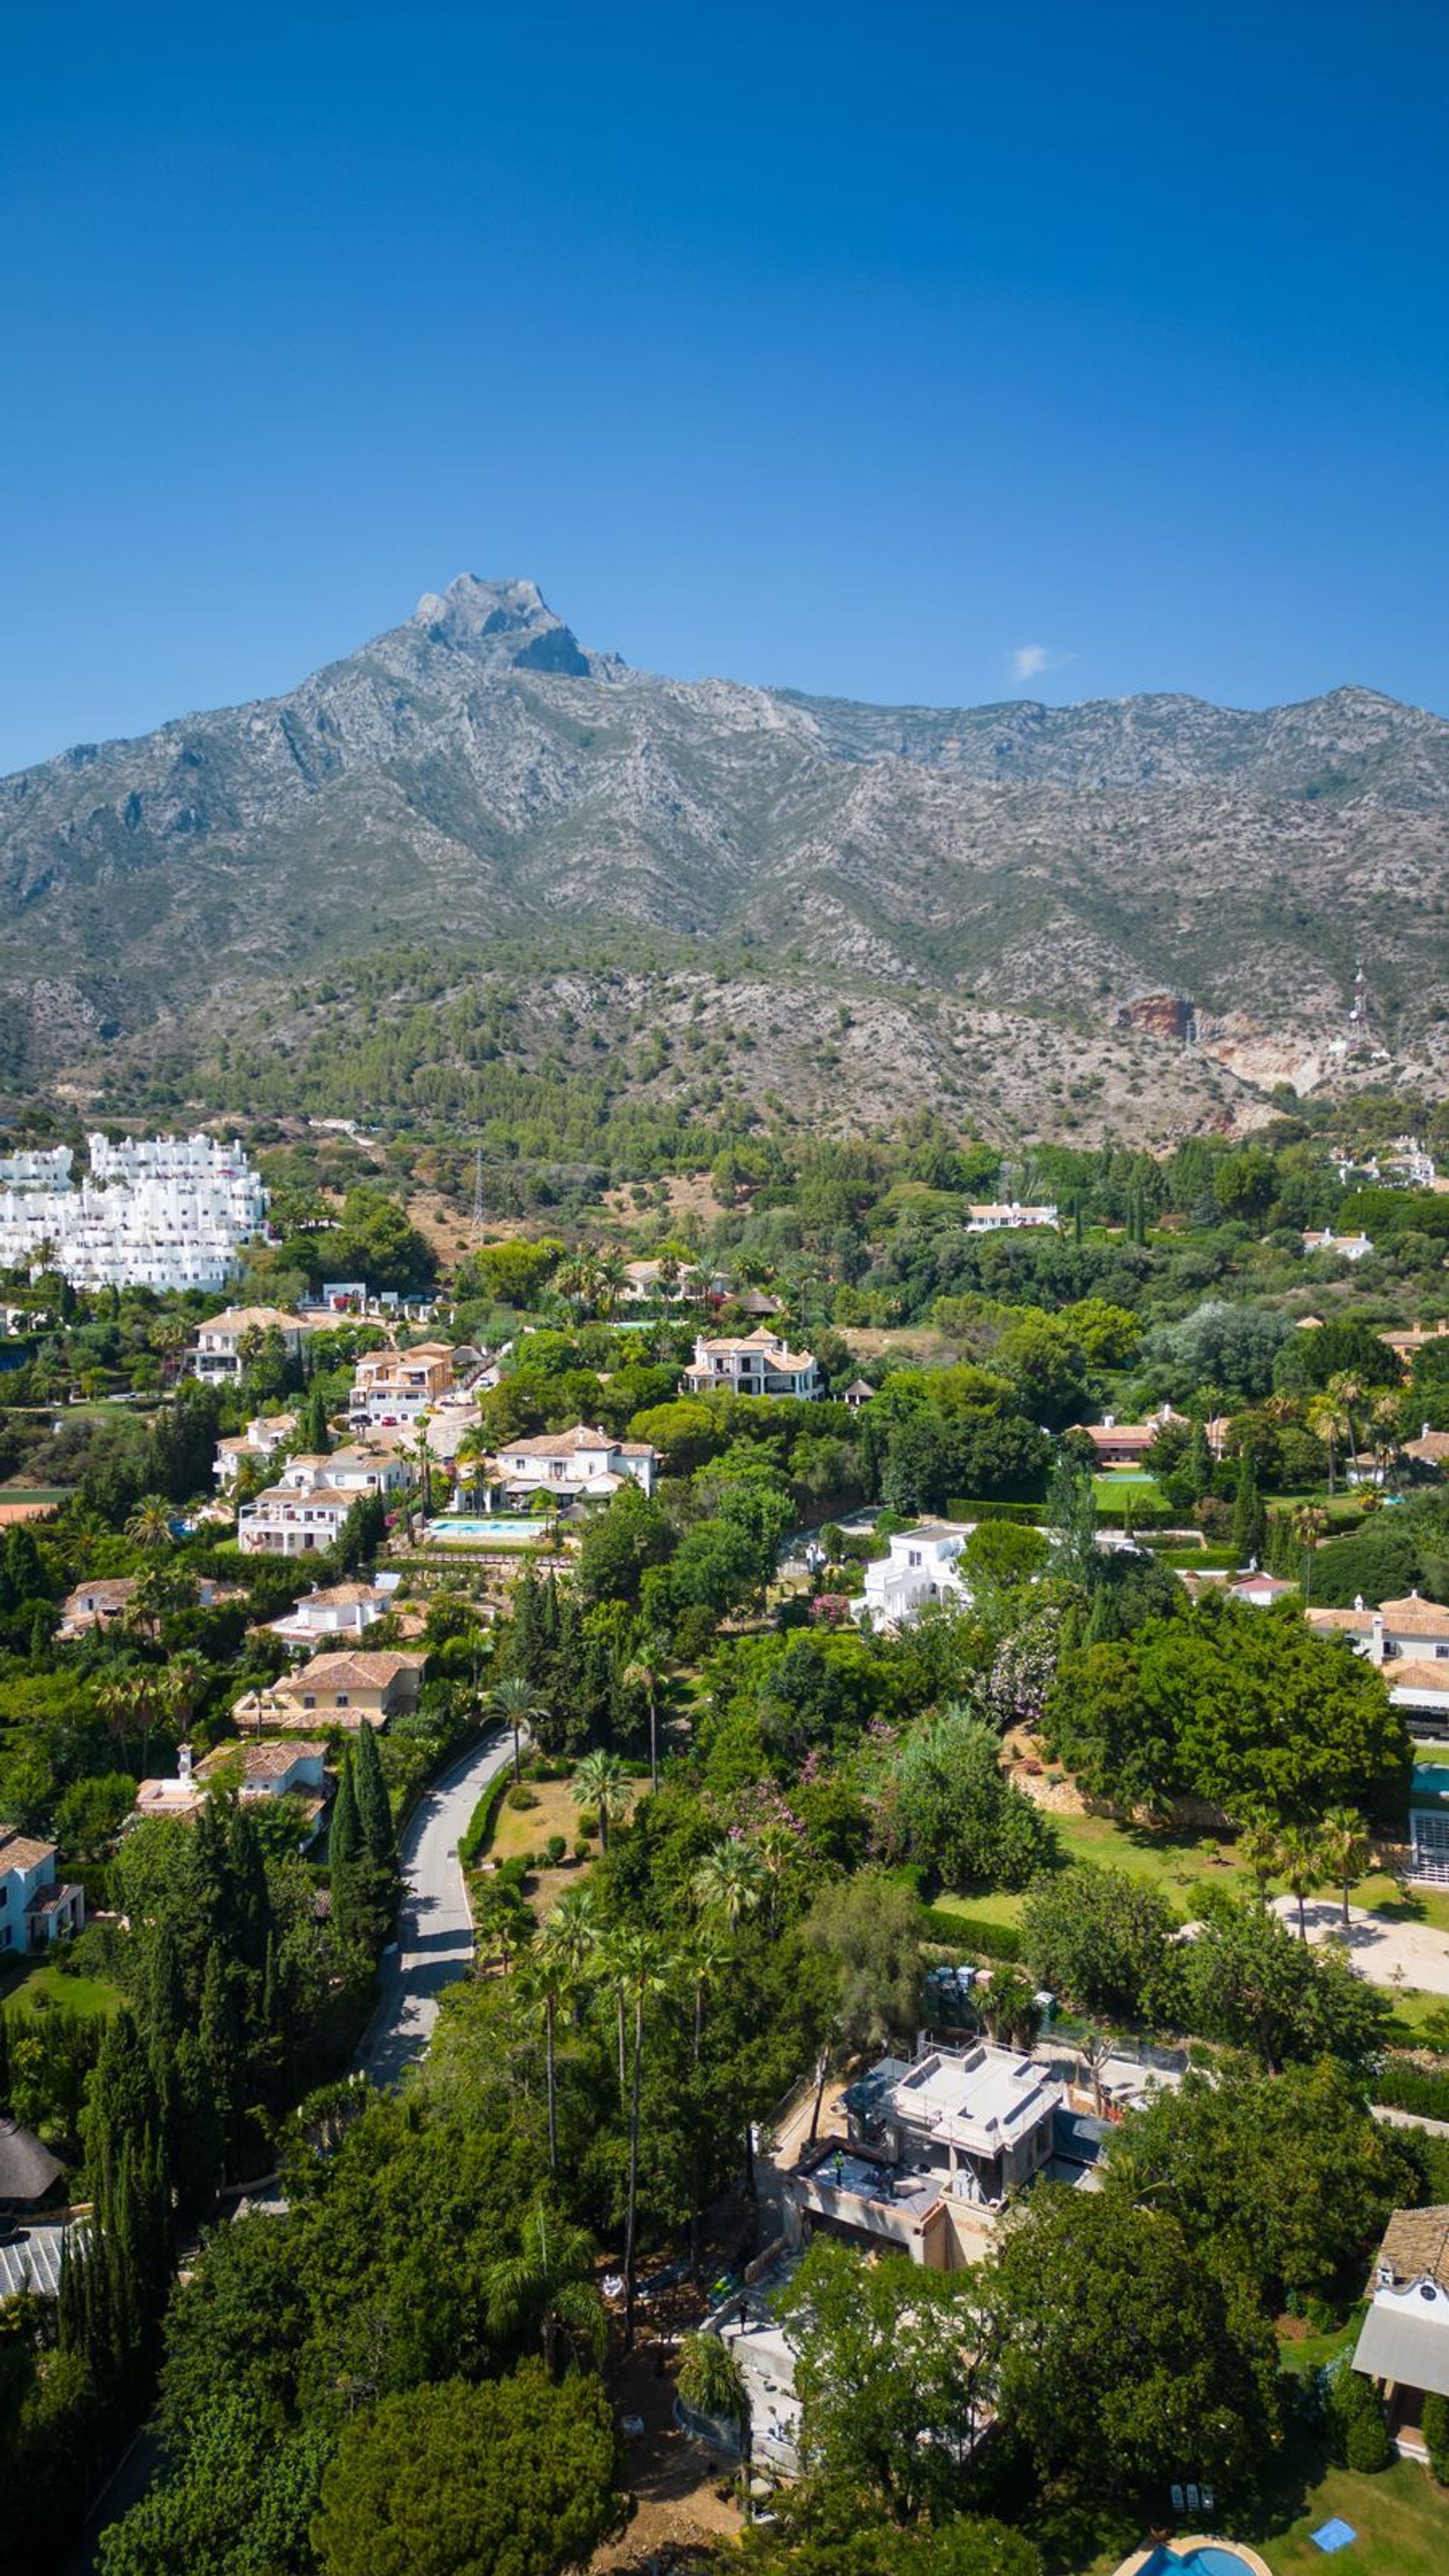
{"x": 35, "y": 1906}
{"x": 581, "y": 1464}
{"x": 1409, "y": 1639}
{"x": 1124, "y": 1444}
{"x": 755, "y": 1363}
{"x": 217, "y": 1358}
{"x": 101, "y": 1603}
{"x": 350, "y": 1689}
{"x": 342, "y": 1612}
{"x": 1005, "y": 1216}
{"x": 396, "y": 1386}
{"x": 264, "y": 1435}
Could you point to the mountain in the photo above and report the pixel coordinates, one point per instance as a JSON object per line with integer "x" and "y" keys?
{"x": 476, "y": 775}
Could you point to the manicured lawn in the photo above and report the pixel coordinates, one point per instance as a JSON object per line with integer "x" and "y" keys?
{"x": 41, "y": 1986}
{"x": 1431, "y": 1753}
{"x": 1401, "y": 2518}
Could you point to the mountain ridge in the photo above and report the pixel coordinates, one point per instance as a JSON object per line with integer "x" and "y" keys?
{"x": 476, "y": 772}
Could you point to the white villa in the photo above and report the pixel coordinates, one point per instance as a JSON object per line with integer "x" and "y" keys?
{"x": 921, "y": 1567}
{"x": 1347, "y": 1247}
{"x": 217, "y": 1357}
{"x": 1403, "y": 2342}
{"x": 1005, "y": 1216}
{"x": 933, "y": 2148}
{"x": 757, "y": 1363}
{"x": 160, "y": 1212}
{"x": 264, "y": 1435}
{"x": 304, "y": 1511}
{"x": 35, "y": 1906}
{"x": 339, "y": 1614}
{"x": 578, "y": 1465}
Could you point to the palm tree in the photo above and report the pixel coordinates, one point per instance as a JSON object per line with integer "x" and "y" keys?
{"x": 503, "y": 1919}
{"x": 1346, "y": 1850}
{"x": 706, "y": 1957}
{"x": 547, "y": 2286}
{"x": 1309, "y": 1524}
{"x": 640, "y": 1971}
{"x": 601, "y": 1782}
{"x": 1301, "y": 1865}
{"x": 1386, "y": 1433}
{"x": 149, "y": 1524}
{"x": 1329, "y": 1422}
{"x": 473, "y": 1449}
{"x": 1258, "y": 1851}
{"x": 730, "y": 1881}
{"x": 518, "y": 1704}
{"x": 611, "y": 1278}
{"x": 550, "y": 1976}
{"x": 124, "y": 1707}
{"x": 710, "y": 2382}
{"x": 649, "y": 1672}
{"x": 777, "y": 1848}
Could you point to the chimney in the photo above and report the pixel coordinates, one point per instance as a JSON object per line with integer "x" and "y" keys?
{"x": 183, "y": 1763}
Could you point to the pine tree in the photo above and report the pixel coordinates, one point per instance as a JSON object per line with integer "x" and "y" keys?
{"x": 316, "y": 1430}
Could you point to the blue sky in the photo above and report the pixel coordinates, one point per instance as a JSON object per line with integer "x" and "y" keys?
{"x": 922, "y": 352}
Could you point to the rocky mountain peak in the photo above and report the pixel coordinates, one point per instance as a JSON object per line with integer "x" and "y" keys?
{"x": 508, "y": 624}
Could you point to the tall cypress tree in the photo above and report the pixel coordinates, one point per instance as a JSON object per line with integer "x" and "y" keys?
{"x": 374, "y": 1814}
{"x": 1249, "y": 1524}
{"x": 344, "y": 1855}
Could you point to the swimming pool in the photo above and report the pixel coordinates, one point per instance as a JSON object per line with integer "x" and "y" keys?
{"x": 1200, "y": 2558}
{"x": 496, "y": 1529}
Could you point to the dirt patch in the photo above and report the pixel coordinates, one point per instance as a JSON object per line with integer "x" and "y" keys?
{"x": 673, "y": 2483}
{"x": 443, "y": 1226}
{"x": 690, "y": 1194}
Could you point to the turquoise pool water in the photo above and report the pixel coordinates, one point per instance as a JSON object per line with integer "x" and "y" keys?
{"x": 1431, "y": 1779}
{"x": 499, "y": 1527}
{"x": 1212, "y": 2558}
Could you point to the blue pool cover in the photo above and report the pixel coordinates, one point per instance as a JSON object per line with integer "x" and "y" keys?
{"x": 1333, "y": 2535}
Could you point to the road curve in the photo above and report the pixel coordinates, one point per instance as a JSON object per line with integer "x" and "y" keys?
{"x": 434, "y": 1927}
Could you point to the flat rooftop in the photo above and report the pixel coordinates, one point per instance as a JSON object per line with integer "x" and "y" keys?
{"x": 984, "y": 2100}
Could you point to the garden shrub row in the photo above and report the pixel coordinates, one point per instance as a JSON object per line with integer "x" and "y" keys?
{"x": 972, "y": 1932}
{"x": 1402, "y": 2087}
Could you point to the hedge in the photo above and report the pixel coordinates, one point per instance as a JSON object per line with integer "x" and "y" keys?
{"x": 485, "y": 1816}
{"x": 972, "y": 1932}
{"x": 1413, "y": 2088}
{"x": 957, "y": 1510}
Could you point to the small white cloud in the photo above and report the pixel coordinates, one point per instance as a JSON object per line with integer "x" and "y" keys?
{"x": 1027, "y": 660}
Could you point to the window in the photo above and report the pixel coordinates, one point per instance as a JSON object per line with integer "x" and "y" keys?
{"x": 309, "y": 1699}
{"x": 342, "y": 1700}
{"x": 913, "y": 1556}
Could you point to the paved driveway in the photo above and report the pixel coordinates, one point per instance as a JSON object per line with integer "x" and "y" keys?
{"x": 435, "y": 1930}
{"x": 1387, "y": 1953}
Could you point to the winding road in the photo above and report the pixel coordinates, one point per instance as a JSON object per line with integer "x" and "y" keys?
{"x": 434, "y": 1929}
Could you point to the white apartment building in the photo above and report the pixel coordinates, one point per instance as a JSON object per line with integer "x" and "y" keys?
{"x": 38, "y": 1168}
{"x": 757, "y": 1363}
{"x": 160, "y": 1212}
